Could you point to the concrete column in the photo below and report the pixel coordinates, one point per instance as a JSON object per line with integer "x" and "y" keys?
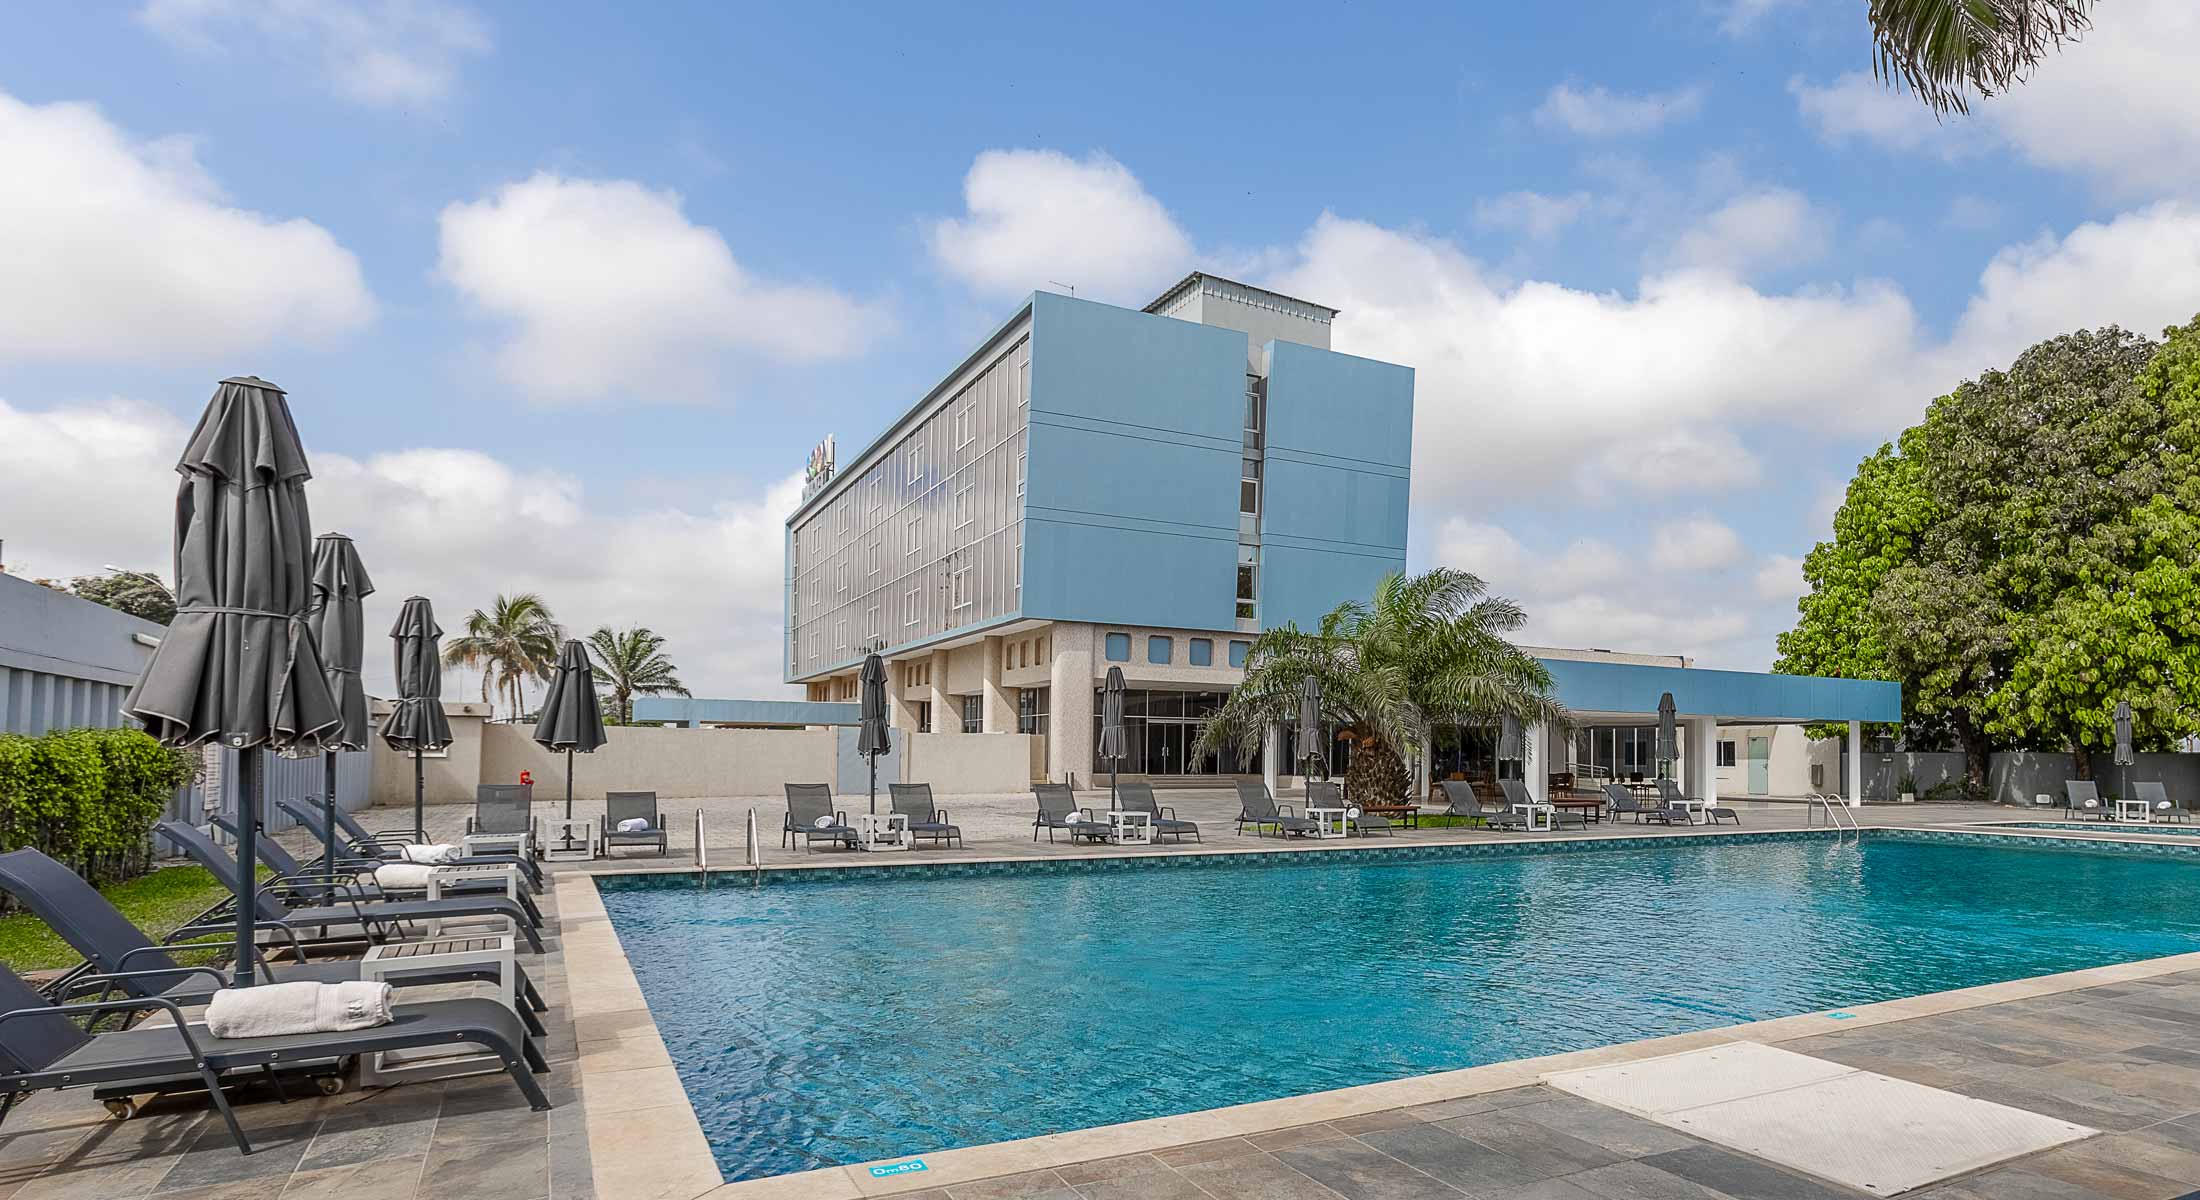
{"x": 1856, "y": 764}
{"x": 901, "y": 709}
{"x": 1537, "y": 766}
{"x": 1069, "y": 701}
{"x": 1000, "y": 709}
{"x": 946, "y": 717}
{"x": 1701, "y": 756}
{"x": 1271, "y": 749}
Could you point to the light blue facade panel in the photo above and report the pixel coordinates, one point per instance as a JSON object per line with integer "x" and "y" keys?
{"x": 1636, "y": 687}
{"x": 746, "y": 712}
{"x": 1314, "y": 504}
{"x": 1298, "y": 585}
{"x": 1122, "y": 576}
{"x": 1339, "y": 407}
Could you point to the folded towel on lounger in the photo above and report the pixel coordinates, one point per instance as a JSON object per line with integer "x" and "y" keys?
{"x": 634, "y": 825}
{"x": 403, "y": 877}
{"x": 284, "y": 1008}
{"x": 440, "y": 852}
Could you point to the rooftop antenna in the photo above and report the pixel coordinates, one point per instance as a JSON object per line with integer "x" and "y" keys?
{"x": 1071, "y": 288}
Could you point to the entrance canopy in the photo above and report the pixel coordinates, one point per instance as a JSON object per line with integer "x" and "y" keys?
{"x": 1733, "y": 697}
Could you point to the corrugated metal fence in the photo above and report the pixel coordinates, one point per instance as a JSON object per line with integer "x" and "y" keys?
{"x": 284, "y": 779}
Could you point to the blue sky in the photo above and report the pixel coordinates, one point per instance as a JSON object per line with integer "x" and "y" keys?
{"x": 564, "y": 293}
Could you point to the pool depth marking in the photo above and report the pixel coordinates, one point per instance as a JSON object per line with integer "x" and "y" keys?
{"x": 908, "y": 1167}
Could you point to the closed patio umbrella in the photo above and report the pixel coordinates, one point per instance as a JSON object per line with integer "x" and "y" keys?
{"x": 2124, "y": 755}
{"x": 571, "y": 720}
{"x": 873, "y": 739}
{"x": 1668, "y": 737}
{"x": 1508, "y": 743}
{"x": 340, "y": 583}
{"x": 1311, "y": 747}
{"x": 238, "y": 666}
{"x": 1112, "y": 738}
{"x": 417, "y": 723}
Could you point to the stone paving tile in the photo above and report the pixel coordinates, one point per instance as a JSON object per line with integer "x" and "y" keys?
{"x": 1742, "y": 1177}
{"x": 1256, "y": 1176}
{"x": 1358, "y": 1171}
{"x": 1539, "y": 1147}
{"x": 2013, "y": 1183}
{"x": 1621, "y": 1133}
{"x": 2108, "y": 1178}
{"x": 1463, "y": 1163}
{"x": 381, "y": 1179}
{"x": 1640, "y": 1181}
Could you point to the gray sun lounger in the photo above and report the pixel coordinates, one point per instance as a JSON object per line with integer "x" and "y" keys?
{"x": 1259, "y": 809}
{"x": 626, "y": 806}
{"x": 1623, "y": 802}
{"x": 1058, "y": 810}
{"x": 1460, "y": 801}
{"x": 1327, "y": 793}
{"x": 2085, "y": 797}
{"x": 926, "y": 819}
{"x": 42, "y": 1048}
{"x": 114, "y": 947}
{"x": 1139, "y": 797}
{"x": 807, "y": 804}
{"x": 360, "y": 876}
{"x": 505, "y": 809}
{"x": 364, "y": 846}
{"x": 2159, "y": 806}
{"x": 312, "y": 903}
{"x": 1677, "y": 801}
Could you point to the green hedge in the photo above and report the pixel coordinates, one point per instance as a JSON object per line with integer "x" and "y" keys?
{"x": 89, "y": 797}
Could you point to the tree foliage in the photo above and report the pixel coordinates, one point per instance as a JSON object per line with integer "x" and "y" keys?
{"x": 514, "y": 641}
{"x": 631, "y": 662}
{"x": 1424, "y": 649}
{"x": 134, "y": 592}
{"x": 1946, "y": 51}
{"x": 88, "y": 797}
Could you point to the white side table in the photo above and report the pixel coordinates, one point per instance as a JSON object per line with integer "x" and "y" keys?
{"x": 1130, "y": 828}
{"x": 882, "y": 831}
{"x": 1539, "y": 816}
{"x": 396, "y": 958}
{"x": 494, "y": 843}
{"x": 1331, "y": 822}
{"x": 506, "y": 874}
{"x": 2134, "y": 810}
{"x": 572, "y": 839}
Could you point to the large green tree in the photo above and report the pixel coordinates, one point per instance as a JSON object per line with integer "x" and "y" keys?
{"x": 1424, "y": 649}
{"x": 514, "y": 640}
{"x": 139, "y": 593}
{"x": 632, "y": 662}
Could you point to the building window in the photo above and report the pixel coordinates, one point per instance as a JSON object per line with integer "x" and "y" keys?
{"x": 878, "y": 555}
{"x": 1249, "y": 487}
{"x": 1726, "y": 754}
{"x": 1159, "y": 650}
{"x": 1023, "y": 375}
{"x": 915, "y": 602}
{"x": 924, "y": 716}
{"x": 958, "y": 581}
{"x": 1031, "y": 710}
{"x": 1253, "y": 412}
{"x": 966, "y": 504}
{"x": 915, "y": 460}
{"x": 965, "y": 422}
{"x": 843, "y": 572}
{"x": 1247, "y": 577}
{"x": 840, "y": 636}
{"x": 877, "y": 490}
{"x": 847, "y": 510}
{"x": 870, "y": 625}
{"x": 1203, "y": 652}
{"x": 1238, "y": 651}
{"x": 973, "y": 714}
{"x": 1119, "y": 647}
{"x": 1020, "y": 457}
{"x": 916, "y": 535}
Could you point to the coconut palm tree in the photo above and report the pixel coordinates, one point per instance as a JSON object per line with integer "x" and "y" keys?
{"x": 632, "y": 663}
{"x": 1946, "y": 50}
{"x": 1427, "y": 648}
{"x": 514, "y": 641}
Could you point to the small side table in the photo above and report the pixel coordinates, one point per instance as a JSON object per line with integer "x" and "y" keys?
{"x": 494, "y": 843}
{"x": 398, "y": 958}
{"x": 882, "y": 831}
{"x": 1331, "y": 822}
{"x": 1539, "y": 816}
{"x": 504, "y": 873}
{"x": 572, "y": 839}
{"x": 2134, "y": 810}
{"x": 1130, "y": 828}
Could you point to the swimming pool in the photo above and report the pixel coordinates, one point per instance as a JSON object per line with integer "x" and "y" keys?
{"x": 841, "y": 1021}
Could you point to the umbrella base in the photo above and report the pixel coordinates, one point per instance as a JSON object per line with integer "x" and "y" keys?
{"x": 570, "y": 839}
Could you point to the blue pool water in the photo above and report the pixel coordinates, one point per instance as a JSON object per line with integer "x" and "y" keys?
{"x": 822, "y": 1023}
{"x": 2147, "y": 828}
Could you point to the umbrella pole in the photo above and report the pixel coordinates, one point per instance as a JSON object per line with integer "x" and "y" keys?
{"x": 248, "y": 821}
{"x": 420, "y": 791}
{"x": 569, "y": 789}
{"x": 328, "y": 818}
{"x": 874, "y": 782}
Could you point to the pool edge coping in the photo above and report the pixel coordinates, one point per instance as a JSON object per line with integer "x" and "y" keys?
{"x": 670, "y": 1158}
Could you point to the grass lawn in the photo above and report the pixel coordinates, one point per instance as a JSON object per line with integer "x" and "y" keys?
{"x": 156, "y": 903}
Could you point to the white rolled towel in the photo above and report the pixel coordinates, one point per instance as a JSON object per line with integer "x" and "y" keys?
{"x": 403, "y": 877}
{"x": 440, "y": 853}
{"x": 291, "y": 1008}
{"x": 634, "y": 825}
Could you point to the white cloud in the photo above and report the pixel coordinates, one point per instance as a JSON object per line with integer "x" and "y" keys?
{"x": 1694, "y": 544}
{"x": 385, "y": 53}
{"x": 1766, "y": 229}
{"x": 1780, "y": 577}
{"x": 1856, "y": 107}
{"x": 609, "y": 288}
{"x": 1039, "y": 217}
{"x": 1673, "y": 458}
{"x": 1971, "y": 214}
{"x": 1533, "y": 215}
{"x": 119, "y": 249}
{"x": 1740, "y": 17}
{"x": 1597, "y": 112}
{"x": 457, "y": 526}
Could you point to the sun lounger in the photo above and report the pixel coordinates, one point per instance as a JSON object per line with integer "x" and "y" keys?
{"x": 312, "y": 903}
{"x": 363, "y": 845}
{"x": 811, "y": 816}
{"x": 360, "y": 877}
{"x": 112, "y": 946}
{"x": 1138, "y": 797}
{"x": 1058, "y": 810}
{"x": 2159, "y": 806}
{"x": 1460, "y": 801}
{"x": 1259, "y": 809}
{"x": 1325, "y": 793}
{"x": 42, "y": 1048}
{"x": 2085, "y": 799}
{"x": 620, "y": 807}
{"x": 926, "y": 820}
{"x": 505, "y": 810}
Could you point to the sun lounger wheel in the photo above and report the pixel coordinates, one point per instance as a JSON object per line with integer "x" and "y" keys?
{"x": 330, "y": 1085}
{"x": 121, "y": 1108}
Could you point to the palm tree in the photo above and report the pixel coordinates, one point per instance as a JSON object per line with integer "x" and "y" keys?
{"x": 515, "y": 641}
{"x": 1945, "y": 50}
{"x": 632, "y": 663}
{"x": 1427, "y": 648}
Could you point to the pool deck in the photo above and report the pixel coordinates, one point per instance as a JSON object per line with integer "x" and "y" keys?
{"x": 2114, "y": 1048}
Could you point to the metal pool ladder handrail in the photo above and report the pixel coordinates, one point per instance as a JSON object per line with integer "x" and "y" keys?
{"x": 755, "y": 854}
{"x": 1837, "y": 811}
{"x": 702, "y": 853}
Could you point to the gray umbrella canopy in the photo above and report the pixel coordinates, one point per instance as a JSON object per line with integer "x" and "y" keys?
{"x": 417, "y": 722}
{"x": 572, "y": 720}
{"x": 1508, "y": 738}
{"x": 237, "y": 665}
{"x": 873, "y": 739}
{"x": 1668, "y": 737}
{"x": 2124, "y": 755}
{"x": 1112, "y": 737}
{"x": 1309, "y": 738}
{"x": 340, "y": 583}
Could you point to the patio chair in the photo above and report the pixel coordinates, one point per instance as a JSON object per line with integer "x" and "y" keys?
{"x": 1260, "y": 810}
{"x": 621, "y": 807}
{"x": 810, "y": 813}
{"x": 1677, "y": 800}
{"x": 1138, "y": 797}
{"x": 1058, "y": 810}
{"x": 42, "y": 1048}
{"x": 1328, "y": 793}
{"x": 313, "y": 903}
{"x": 2085, "y": 798}
{"x": 507, "y": 809}
{"x": 360, "y": 875}
{"x": 1624, "y": 802}
{"x": 2159, "y": 805}
{"x": 114, "y": 947}
{"x": 364, "y": 845}
{"x": 1460, "y": 801}
{"x": 1516, "y": 793}
{"x": 926, "y": 819}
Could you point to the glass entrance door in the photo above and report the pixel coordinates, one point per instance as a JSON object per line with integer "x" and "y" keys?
{"x": 1167, "y": 740}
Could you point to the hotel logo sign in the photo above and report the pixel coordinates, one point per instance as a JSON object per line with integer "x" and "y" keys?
{"x": 820, "y": 470}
